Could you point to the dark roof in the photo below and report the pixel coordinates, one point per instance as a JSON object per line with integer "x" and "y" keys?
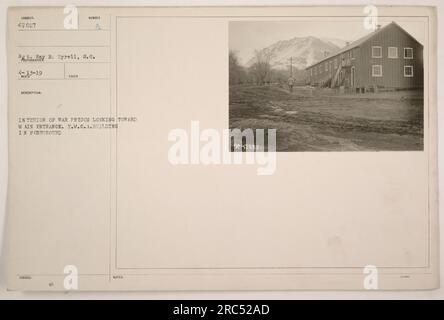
{"x": 356, "y": 43}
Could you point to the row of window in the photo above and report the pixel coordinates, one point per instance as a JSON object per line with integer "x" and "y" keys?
{"x": 377, "y": 71}
{"x": 329, "y": 65}
{"x": 392, "y": 52}
{"x": 326, "y": 66}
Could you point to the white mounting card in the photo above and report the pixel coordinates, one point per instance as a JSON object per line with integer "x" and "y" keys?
{"x": 222, "y": 148}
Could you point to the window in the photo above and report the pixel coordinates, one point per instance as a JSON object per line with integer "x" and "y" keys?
{"x": 352, "y": 56}
{"x": 376, "y": 70}
{"x": 408, "y": 53}
{"x": 376, "y": 52}
{"x": 311, "y": 72}
{"x": 336, "y": 63}
{"x": 408, "y": 71}
{"x": 393, "y": 52}
{"x": 326, "y": 66}
{"x": 316, "y": 70}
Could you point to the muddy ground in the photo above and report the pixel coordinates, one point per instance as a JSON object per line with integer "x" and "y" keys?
{"x": 306, "y": 122}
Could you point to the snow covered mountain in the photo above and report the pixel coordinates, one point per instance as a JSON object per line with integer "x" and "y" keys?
{"x": 304, "y": 51}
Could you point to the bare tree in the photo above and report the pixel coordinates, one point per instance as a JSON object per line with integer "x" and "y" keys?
{"x": 262, "y": 67}
{"x": 237, "y": 73}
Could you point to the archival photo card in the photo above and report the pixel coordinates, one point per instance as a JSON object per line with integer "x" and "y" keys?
{"x": 222, "y": 148}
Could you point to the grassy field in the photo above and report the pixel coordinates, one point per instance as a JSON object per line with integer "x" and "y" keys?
{"x": 306, "y": 122}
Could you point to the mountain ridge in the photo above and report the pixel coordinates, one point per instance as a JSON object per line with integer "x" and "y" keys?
{"x": 304, "y": 51}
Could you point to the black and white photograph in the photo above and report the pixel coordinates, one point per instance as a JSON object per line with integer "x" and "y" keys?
{"x": 333, "y": 85}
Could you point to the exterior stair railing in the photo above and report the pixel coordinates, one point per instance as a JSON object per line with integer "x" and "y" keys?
{"x": 336, "y": 76}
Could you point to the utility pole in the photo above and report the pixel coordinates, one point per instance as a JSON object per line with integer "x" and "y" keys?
{"x": 291, "y": 67}
{"x": 291, "y": 80}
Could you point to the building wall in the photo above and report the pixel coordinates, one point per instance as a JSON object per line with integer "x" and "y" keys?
{"x": 319, "y": 77}
{"x": 349, "y": 58}
{"x": 392, "y": 68}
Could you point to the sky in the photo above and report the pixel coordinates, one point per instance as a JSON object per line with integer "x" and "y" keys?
{"x": 247, "y": 36}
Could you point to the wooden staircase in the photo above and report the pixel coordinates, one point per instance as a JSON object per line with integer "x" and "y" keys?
{"x": 336, "y": 76}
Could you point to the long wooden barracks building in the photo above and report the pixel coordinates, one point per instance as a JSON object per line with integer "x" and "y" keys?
{"x": 387, "y": 58}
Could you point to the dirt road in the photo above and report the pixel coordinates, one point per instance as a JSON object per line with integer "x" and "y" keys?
{"x": 329, "y": 123}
